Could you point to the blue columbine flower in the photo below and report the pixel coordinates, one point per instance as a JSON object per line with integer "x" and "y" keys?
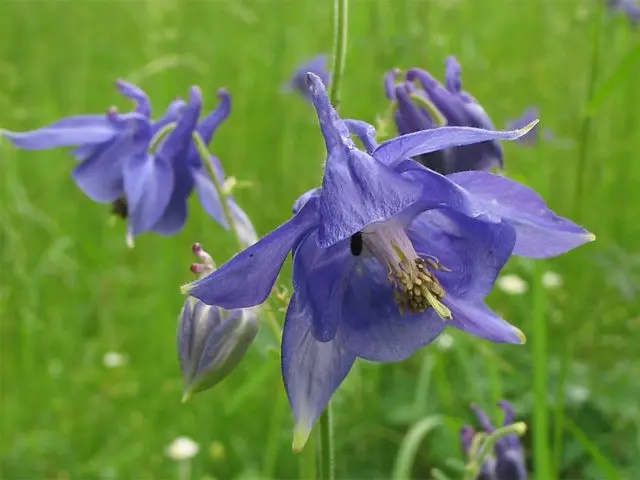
{"x": 385, "y": 255}
{"x": 508, "y": 462}
{"x": 429, "y": 104}
{"x": 116, "y": 166}
{"x": 316, "y": 65}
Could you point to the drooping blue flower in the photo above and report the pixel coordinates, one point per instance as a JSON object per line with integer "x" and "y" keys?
{"x": 115, "y": 164}
{"x": 316, "y": 65}
{"x": 422, "y": 102}
{"x": 386, "y": 253}
{"x": 507, "y": 461}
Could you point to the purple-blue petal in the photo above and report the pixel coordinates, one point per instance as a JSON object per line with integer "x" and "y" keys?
{"x": 449, "y": 104}
{"x": 170, "y": 115}
{"x": 357, "y": 191}
{"x": 208, "y": 196}
{"x": 66, "y": 132}
{"x": 135, "y": 93}
{"x": 148, "y": 183}
{"x": 174, "y": 215}
{"x": 479, "y": 320}
{"x": 242, "y": 223}
{"x": 100, "y": 172}
{"x": 371, "y": 320}
{"x": 335, "y": 132}
{"x": 318, "y": 280}
{"x": 474, "y": 250}
{"x": 540, "y": 232}
{"x": 365, "y": 132}
{"x": 417, "y": 118}
{"x": 452, "y": 73}
{"x": 311, "y": 370}
{"x": 175, "y": 147}
{"x": 427, "y": 141}
{"x": 208, "y": 125}
{"x": 304, "y": 198}
{"x": 246, "y": 279}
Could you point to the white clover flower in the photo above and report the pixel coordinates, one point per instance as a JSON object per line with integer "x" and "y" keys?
{"x": 114, "y": 360}
{"x": 182, "y": 448}
{"x": 577, "y": 393}
{"x": 512, "y": 284}
{"x": 444, "y": 342}
{"x": 551, "y": 280}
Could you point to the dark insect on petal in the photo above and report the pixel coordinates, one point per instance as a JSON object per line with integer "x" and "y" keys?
{"x": 119, "y": 208}
{"x": 356, "y": 244}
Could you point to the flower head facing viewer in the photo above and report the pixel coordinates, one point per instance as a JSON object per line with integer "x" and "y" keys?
{"x": 146, "y": 169}
{"x": 385, "y": 255}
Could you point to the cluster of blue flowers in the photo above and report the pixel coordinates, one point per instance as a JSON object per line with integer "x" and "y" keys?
{"x": 401, "y": 240}
{"x": 146, "y": 168}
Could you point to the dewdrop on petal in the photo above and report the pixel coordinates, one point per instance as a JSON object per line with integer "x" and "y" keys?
{"x": 182, "y": 448}
{"x": 512, "y": 284}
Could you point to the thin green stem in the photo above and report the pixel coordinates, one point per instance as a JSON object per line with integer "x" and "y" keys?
{"x": 340, "y": 14}
{"x": 203, "y": 151}
{"x": 158, "y": 137}
{"x": 327, "y": 454}
{"x": 541, "y": 449}
{"x": 340, "y": 30}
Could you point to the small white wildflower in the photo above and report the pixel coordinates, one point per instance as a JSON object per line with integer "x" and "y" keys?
{"x": 182, "y": 448}
{"x": 577, "y": 393}
{"x": 551, "y": 280}
{"x": 512, "y": 284}
{"x": 55, "y": 367}
{"x": 444, "y": 342}
{"x": 114, "y": 360}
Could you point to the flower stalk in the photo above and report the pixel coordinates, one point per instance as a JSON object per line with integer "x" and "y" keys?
{"x": 340, "y": 31}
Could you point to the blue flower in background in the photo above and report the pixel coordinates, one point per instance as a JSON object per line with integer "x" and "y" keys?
{"x": 629, "y": 7}
{"x": 385, "y": 255}
{"x": 316, "y": 65}
{"x": 507, "y": 462}
{"x": 429, "y": 104}
{"x": 115, "y": 164}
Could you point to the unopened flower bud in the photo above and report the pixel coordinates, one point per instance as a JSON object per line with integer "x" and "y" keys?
{"x": 211, "y": 340}
{"x": 211, "y": 343}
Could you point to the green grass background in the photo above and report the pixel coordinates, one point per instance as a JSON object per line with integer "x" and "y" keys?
{"x": 71, "y": 291}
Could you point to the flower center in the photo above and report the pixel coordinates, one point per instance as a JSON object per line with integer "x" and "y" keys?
{"x": 415, "y": 287}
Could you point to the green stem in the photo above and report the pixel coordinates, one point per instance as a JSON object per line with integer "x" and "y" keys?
{"x": 203, "y": 151}
{"x": 340, "y": 15}
{"x": 327, "y": 454}
{"x": 158, "y": 137}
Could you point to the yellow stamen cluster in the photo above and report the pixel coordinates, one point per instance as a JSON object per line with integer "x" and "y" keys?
{"x": 416, "y": 288}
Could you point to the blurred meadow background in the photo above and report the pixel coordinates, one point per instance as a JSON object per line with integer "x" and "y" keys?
{"x": 90, "y": 384}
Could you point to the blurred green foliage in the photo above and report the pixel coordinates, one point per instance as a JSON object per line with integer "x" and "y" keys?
{"x": 70, "y": 291}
